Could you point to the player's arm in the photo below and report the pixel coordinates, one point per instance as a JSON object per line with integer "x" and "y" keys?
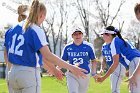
{"x": 5, "y": 56}
{"x": 53, "y": 70}
{"x": 94, "y": 65}
{"x": 111, "y": 69}
{"x": 6, "y": 59}
{"x": 103, "y": 65}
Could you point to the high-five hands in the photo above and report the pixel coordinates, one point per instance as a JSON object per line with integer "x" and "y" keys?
{"x": 57, "y": 73}
{"x": 98, "y": 78}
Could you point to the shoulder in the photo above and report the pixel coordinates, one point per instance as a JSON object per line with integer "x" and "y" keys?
{"x": 36, "y": 28}
{"x": 68, "y": 45}
{"x": 116, "y": 40}
{"x": 88, "y": 44}
{"x": 104, "y": 44}
{"x": 14, "y": 28}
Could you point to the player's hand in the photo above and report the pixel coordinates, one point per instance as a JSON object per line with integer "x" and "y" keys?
{"x": 132, "y": 82}
{"x": 57, "y": 73}
{"x": 95, "y": 77}
{"x": 79, "y": 72}
{"x": 100, "y": 79}
{"x": 127, "y": 73}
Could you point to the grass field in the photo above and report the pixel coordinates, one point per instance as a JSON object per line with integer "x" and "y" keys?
{"x": 51, "y": 85}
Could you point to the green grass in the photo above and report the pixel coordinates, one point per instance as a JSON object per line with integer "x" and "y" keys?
{"x": 51, "y": 85}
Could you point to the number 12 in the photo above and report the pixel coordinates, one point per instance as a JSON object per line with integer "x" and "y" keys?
{"x": 16, "y": 51}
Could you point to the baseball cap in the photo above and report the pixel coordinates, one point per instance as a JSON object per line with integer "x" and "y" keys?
{"x": 77, "y": 29}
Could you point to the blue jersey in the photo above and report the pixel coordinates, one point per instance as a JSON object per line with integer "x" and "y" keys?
{"x": 129, "y": 51}
{"x": 106, "y": 52}
{"x": 7, "y": 39}
{"x": 81, "y": 54}
{"x": 23, "y": 47}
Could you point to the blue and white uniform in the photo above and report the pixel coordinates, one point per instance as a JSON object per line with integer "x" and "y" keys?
{"x": 119, "y": 72}
{"x": 81, "y": 54}
{"x": 23, "y": 52}
{"x": 7, "y": 64}
{"x": 130, "y": 53}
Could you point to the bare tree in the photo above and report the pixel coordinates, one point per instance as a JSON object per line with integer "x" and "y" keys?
{"x": 104, "y": 13}
{"x": 55, "y": 24}
{"x": 61, "y": 24}
{"x": 105, "y": 19}
{"x": 133, "y": 33}
{"x": 83, "y": 7}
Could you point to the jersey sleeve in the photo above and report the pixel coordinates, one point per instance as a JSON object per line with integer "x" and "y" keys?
{"x": 39, "y": 38}
{"x": 7, "y": 38}
{"x": 115, "y": 46}
{"x": 64, "y": 55}
{"x": 92, "y": 53}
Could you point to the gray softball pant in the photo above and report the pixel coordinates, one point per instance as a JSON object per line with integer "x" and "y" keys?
{"x": 116, "y": 78}
{"x": 132, "y": 66}
{"x": 23, "y": 79}
{"x": 77, "y": 85}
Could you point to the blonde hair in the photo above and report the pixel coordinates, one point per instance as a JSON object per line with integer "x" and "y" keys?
{"x": 35, "y": 9}
{"x": 137, "y": 8}
{"x": 21, "y": 12}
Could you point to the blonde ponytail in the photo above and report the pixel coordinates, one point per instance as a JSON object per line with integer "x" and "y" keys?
{"x": 32, "y": 18}
{"x": 35, "y": 10}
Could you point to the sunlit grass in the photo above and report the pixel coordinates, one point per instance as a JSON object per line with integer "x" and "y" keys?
{"x": 51, "y": 85}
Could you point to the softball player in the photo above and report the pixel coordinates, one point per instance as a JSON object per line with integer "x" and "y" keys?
{"x": 119, "y": 72}
{"x": 26, "y": 44}
{"x": 119, "y": 47}
{"x": 79, "y": 53}
{"x": 22, "y": 14}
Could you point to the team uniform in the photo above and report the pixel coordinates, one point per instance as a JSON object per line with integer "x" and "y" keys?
{"x": 23, "y": 53}
{"x": 7, "y": 68}
{"x": 81, "y": 55}
{"x": 117, "y": 75}
{"x": 131, "y": 54}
